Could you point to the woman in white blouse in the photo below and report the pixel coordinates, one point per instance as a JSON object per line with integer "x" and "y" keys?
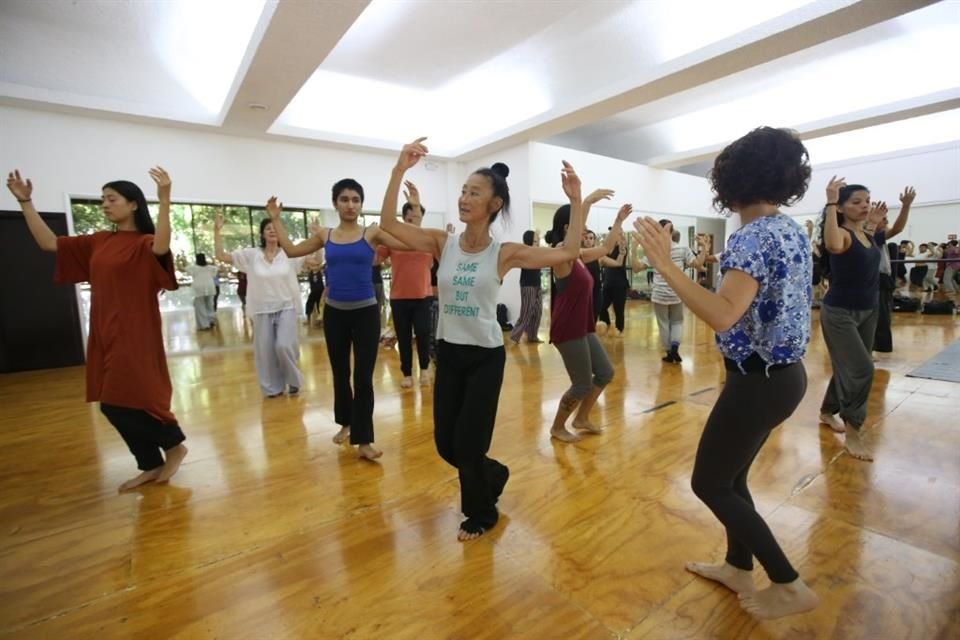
{"x": 204, "y": 292}
{"x": 273, "y": 302}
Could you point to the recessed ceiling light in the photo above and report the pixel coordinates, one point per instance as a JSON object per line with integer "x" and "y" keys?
{"x": 256, "y": 106}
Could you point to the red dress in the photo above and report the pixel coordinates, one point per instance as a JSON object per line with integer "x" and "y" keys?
{"x": 126, "y": 362}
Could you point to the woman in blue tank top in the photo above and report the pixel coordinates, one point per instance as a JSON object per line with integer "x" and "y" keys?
{"x": 849, "y": 311}
{"x": 470, "y": 353}
{"x": 351, "y": 317}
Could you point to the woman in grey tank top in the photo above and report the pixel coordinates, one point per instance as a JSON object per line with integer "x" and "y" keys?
{"x": 470, "y": 353}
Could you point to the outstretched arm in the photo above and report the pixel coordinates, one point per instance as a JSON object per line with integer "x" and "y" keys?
{"x": 720, "y": 310}
{"x": 835, "y": 240}
{"x": 161, "y": 238}
{"x": 906, "y": 200}
{"x": 616, "y": 233}
{"x": 415, "y": 238}
{"x": 22, "y": 190}
{"x": 304, "y": 248}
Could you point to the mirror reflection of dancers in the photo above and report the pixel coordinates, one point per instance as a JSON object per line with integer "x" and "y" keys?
{"x": 761, "y": 314}
{"x": 126, "y": 363}
{"x": 470, "y": 351}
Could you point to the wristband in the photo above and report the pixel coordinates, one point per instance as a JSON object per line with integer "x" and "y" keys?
{"x": 833, "y": 204}
{"x": 21, "y": 201}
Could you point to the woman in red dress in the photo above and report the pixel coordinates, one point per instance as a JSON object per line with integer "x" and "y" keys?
{"x": 126, "y": 364}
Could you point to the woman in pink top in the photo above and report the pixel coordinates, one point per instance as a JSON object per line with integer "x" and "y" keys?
{"x": 572, "y": 324}
{"x": 410, "y": 294}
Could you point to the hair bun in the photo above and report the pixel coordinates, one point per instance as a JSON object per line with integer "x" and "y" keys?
{"x": 500, "y": 169}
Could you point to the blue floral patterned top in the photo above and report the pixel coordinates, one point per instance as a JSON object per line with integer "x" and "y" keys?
{"x": 775, "y": 252}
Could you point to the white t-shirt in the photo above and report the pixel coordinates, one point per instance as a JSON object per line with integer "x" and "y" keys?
{"x": 271, "y": 286}
{"x": 930, "y": 255}
{"x": 683, "y": 257}
{"x": 203, "y": 283}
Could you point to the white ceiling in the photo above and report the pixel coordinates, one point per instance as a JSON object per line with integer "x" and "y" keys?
{"x": 663, "y": 82}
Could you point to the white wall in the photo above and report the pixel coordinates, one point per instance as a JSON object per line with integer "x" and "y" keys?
{"x": 70, "y": 154}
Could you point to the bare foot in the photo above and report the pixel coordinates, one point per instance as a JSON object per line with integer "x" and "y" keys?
{"x": 469, "y": 530}
{"x": 174, "y": 457}
{"x": 853, "y": 443}
{"x": 587, "y": 426}
{"x": 564, "y": 436}
{"x": 143, "y": 478}
{"x": 407, "y": 382}
{"x": 342, "y": 436}
{"x": 833, "y": 422}
{"x": 737, "y": 580}
{"x": 779, "y": 600}
{"x": 368, "y": 452}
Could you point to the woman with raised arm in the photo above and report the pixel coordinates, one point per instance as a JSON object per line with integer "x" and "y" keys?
{"x": 850, "y": 309}
{"x": 531, "y": 298}
{"x": 273, "y": 304}
{"x": 593, "y": 267}
{"x": 351, "y": 315}
{"x": 615, "y": 287}
{"x": 126, "y": 363}
{"x": 470, "y": 352}
{"x": 572, "y": 327}
{"x": 666, "y": 305}
{"x": 761, "y": 314}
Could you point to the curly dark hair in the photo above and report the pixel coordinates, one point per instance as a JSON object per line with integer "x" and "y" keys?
{"x": 766, "y": 165}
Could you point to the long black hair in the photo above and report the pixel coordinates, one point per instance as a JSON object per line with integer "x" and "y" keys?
{"x": 132, "y": 193}
{"x": 561, "y": 219}
{"x": 263, "y": 225}
{"x": 528, "y": 237}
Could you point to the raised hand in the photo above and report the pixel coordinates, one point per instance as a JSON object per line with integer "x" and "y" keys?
{"x": 833, "y": 188}
{"x": 655, "y": 241}
{"x": 162, "y": 178}
{"x": 598, "y": 195}
{"x": 218, "y": 222}
{"x": 274, "y": 208}
{"x": 878, "y": 211}
{"x": 624, "y": 213}
{"x": 411, "y": 153}
{"x": 411, "y": 193}
{"x": 907, "y": 196}
{"x": 451, "y": 229}
{"x": 20, "y": 188}
{"x": 570, "y": 181}
{"x": 315, "y": 228}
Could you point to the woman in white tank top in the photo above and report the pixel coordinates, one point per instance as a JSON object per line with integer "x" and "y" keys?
{"x": 470, "y": 353}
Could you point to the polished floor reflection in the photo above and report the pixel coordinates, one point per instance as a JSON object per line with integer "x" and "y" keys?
{"x": 271, "y": 531}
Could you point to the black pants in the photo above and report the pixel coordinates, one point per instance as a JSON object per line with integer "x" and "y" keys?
{"x": 359, "y": 330}
{"x": 748, "y": 408}
{"x": 409, "y": 317}
{"x": 145, "y": 435}
{"x": 597, "y": 302}
{"x": 618, "y": 297}
{"x": 465, "y": 398}
{"x": 883, "y": 339}
{"x": 313, "y": 300}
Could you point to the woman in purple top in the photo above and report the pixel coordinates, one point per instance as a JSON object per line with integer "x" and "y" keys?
{"x": 351, "y": 316}
{"x": 572, "y": 324}
{"x": 761, "y": 314}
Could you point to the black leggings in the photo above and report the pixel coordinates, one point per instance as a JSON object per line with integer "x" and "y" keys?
{"x": 749, "y": 407}
{"x": 465, "y": 398}
{"x": 313, "y": 300}
{"x": 618, "y": 297}
{"x": 409, "y": 317}
{"x": 359, "y": 330}
{"x": 145, "y": 435}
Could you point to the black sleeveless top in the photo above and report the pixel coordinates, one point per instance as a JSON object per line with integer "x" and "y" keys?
{"x": 855, "y": 276}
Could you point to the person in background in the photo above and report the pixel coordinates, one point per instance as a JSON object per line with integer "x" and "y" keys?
{"x": 204, "y": 292}
{"x": 531, "y": 298}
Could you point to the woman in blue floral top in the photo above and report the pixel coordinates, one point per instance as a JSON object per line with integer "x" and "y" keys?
{"x": 761, "y": 314}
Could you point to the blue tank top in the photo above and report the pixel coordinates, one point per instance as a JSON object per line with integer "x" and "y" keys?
{"x": 855, "y": 277}
{"x": 348, "y": 270}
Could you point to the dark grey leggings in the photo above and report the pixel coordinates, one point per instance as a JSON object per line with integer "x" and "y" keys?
{"x": 587, "y": 364}
{"x": 849, "y": 335}
{"x": 750, "y": 406}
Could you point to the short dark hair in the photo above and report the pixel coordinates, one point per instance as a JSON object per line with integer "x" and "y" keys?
{"x": 131, "y": 192}
{"x": 561, "y": 219}
{"x": 528, "y": 236}
{"x": 347, "y": 183}
{"x": 201, "y": 260}
{"x": 497, "y": 174}
{"x": 407, "y": 207}
{"x": 766, "y": 165}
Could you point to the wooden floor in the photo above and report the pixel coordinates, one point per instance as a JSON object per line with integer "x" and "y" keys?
{"x": 271, "y": 531}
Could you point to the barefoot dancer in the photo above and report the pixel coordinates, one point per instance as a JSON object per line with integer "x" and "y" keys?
{"x": 849, "y": 311}
{"x": 762, "y": 317}
{"x": 351, "y": 315}
{"x": 126, "y": 364}
{"x": 572, "y": 327}
{"x": 470, "y": 353}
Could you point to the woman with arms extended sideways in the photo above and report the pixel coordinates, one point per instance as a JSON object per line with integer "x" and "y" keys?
{"x": 126, "y": 363}
{"x": 470, "y": 352}
{"x": 761, "y": 314}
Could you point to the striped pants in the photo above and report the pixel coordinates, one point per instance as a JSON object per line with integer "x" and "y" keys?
{"x": 531, "y": 308}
